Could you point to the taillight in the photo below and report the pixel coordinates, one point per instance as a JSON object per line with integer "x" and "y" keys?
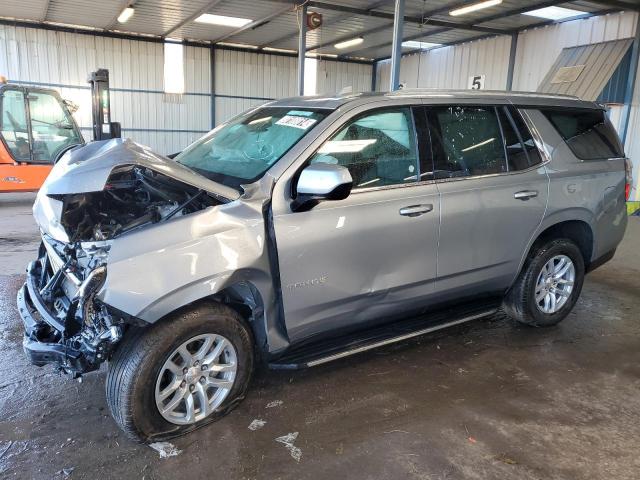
{"x": 628, "y": 178}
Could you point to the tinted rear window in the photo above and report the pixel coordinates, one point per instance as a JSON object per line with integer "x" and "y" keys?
{"x": 588, "y": 133}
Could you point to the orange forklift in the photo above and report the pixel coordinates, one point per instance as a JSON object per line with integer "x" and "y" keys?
{"x": 37, "y": 128}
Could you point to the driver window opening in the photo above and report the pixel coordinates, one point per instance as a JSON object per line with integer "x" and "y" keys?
{"x": 378, "y": 149}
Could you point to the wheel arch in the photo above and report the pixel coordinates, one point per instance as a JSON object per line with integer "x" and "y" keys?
{"x": 578, "y": 230}
{"x": 248, "y": 301}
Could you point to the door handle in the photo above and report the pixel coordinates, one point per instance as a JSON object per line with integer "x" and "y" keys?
{"x": 415, "y": 210}
{"x": 525, "y": 194}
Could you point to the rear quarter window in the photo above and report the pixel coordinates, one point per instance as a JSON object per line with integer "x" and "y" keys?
{"x": 588, "y": 133}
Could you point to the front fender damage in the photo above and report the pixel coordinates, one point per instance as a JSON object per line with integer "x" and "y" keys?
{"x": 140, "y": 241}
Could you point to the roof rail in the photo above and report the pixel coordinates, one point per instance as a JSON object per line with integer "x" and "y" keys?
{"x": 444, "y": 91}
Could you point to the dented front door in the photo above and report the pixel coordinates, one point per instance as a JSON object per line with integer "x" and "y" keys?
{"x": 372, "y": 255}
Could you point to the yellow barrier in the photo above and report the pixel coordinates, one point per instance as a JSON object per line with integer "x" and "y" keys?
{"x": 633, "y": 207}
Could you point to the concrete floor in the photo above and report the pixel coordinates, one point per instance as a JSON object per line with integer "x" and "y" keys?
{"x": 490, "y": 400}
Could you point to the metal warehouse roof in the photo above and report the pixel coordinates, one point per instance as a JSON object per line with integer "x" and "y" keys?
{"x": 274, "y": 22}
{"x": 584, "y": 70}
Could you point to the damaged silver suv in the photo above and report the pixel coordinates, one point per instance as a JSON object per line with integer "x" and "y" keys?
{"x": 310, "y": 229}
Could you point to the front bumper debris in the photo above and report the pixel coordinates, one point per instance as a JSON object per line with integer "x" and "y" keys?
{"x": 76, "y": 334}
{"x": 39, "y": 336}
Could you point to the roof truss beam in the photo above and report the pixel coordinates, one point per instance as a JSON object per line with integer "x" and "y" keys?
{"x": 507, "y": 13}
{"x": 253, "y": 25}
{"x": 617, "y": 4}
{"x": 45, "y": 11}
{"x": 371, "y": 12}
{"x": 191, "y": 17}
{"x": 516, "y": 30}
{"x": 387, "y": 26}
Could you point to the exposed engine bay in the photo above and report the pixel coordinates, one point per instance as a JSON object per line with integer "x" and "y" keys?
{"x": 132, "y": 197}
{"x": 65, "y": 323}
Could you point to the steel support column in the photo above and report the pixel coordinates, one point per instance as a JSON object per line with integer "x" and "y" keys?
{"x": 374, "y": 76}
{"x": 512, "y": 60}
{"x": 396, "y": 49}
{"x": 302, "y": 46}
{"x": 212, "y": 86}
{"x": 631, "y": 82}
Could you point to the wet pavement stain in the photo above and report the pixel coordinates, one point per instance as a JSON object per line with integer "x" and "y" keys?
{"x": 488, "y": 400}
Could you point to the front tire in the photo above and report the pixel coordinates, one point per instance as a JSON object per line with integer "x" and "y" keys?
{"x": 549, "y": 284}
{"x": 185, "y": 372}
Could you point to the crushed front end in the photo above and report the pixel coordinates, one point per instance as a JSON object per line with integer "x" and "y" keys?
{"x": 64, "y": 323}
{"x": 94, "y": 196}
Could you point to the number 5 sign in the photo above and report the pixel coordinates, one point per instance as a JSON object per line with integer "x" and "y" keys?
{"x": 476, "y": 82}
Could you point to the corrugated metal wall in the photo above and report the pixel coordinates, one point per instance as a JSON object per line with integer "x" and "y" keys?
{"x": 451, "y": 67}
{"x": 255, "y": 77}
{"x": 260, "y": 78}
{"x": 632, "y": 146}
{"x": 63, "y": 60}
{"x": 332, "y": 77}
{"x": 166, "y": 123}
{"x": 538, "y": 48}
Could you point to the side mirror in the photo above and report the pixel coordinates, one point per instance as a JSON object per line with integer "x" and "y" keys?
{"x": 322, "y": 181}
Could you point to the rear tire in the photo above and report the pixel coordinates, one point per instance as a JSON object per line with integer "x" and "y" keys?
{"x": 530, "y": 299}
{"x": 138, "y": 373}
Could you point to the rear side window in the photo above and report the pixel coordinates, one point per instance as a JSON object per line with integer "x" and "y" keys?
{"x": 466, "y": 140}
{"x": 522, "y": 152}
{"x": 588, "y": 133}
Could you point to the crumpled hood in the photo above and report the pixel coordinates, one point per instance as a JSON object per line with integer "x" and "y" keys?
{"x": 86, "y": 169}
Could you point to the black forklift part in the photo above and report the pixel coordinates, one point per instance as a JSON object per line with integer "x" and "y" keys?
{"x": 103, "y": 128}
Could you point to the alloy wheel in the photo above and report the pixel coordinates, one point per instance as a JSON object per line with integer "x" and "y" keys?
{"x": 555, "y": 284}
{"x": 195, "y": 379}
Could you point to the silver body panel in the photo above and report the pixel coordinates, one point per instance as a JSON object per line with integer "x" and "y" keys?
{"x": 350, "y": 261}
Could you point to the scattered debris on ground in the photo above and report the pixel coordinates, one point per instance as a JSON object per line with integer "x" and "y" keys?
{"x": 257, "y": 424}
{"x": 287, "y": 440}
{"x": 165, "y": 449}
{"x": 275, "y": 403}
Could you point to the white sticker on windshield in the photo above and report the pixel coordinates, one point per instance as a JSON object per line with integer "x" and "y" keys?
{"x": 296, "y": 122}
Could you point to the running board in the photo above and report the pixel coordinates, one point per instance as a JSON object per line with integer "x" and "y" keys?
{"x": 313, "y": 356}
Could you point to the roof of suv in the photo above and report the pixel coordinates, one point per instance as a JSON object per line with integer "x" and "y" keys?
{"x": 483, "y": 96}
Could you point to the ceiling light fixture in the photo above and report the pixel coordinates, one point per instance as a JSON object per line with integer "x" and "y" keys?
{"x": 279, "y": 50}
{"x": 349, "y": 43}
{"x": 474, "y": 8}
{"x": 125, "y": 15}
{"x": 223, "y": 20}
{"x": 420, "y": 45}
{"x": 237, "y": 45}
{"x": 554, "y": 13}
{"x": 320, "y": 55}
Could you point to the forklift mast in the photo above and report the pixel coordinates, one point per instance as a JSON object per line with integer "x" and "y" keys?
{"x": 102, "y": 126}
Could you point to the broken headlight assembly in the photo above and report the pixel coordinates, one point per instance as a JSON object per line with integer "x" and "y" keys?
{"x": 64, "y": 322}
